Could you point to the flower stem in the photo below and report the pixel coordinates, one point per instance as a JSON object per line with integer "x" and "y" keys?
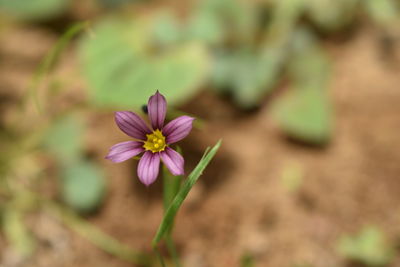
{"x": 159, "y": 256}
{"x": 172, "y": 250}
{"x": 171, "y": 187}
{"x": 176, "y": 203}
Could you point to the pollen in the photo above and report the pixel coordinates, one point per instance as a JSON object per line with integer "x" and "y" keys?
{"x": 155, "y": 142}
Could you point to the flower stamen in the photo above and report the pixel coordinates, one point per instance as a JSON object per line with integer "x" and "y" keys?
{"x": 155, "y": 142}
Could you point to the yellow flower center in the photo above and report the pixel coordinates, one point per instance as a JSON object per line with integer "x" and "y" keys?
{"x": 155, "y": 142}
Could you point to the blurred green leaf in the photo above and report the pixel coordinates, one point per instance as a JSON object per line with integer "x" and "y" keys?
{"x": 205, "y": 27}
{"x": 284, "y": 17}
{"x": 123, "y": 65}
{"x": 216, "y": 21}
{"x": 223, "y": 69}
{"x": 305, "y": 114}
{"x": 308, "y": 65}
{"x": 251, "y": 71}
{"x": 33, "y": 9}
{"x": 167, "y": 30}
{"x": 64, "y": 139}
{"x": 51, "y": 59}
{"x": 368, "y": 247}
{"x": 332, "y": 15}
{"x": 83, "y": 186}
{"x": 248, "y": 75}
{"x": 115, "y": 3}
{"x": 257, "y": 75}
{"x": 292, "y": 177}
{"x": 247, "y": 260}
{"x": 384, "y": 12}
{"x": 16, "y": 231}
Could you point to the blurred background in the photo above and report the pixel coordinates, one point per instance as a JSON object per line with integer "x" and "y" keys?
{"x": 304, "y": 93}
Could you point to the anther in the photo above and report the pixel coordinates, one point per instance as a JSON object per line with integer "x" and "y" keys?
{"x": 154, "y": 140}
{"x": 156, "y": 145}
{"x": 160, "y": 141}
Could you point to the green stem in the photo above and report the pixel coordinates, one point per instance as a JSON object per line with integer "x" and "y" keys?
{"x": 170, "y": 189}
{"x": 176, "y": 203}
{"x": 160, "y": 258}
{"x": 50, "y": 60}
{"x": 172, "y": 250}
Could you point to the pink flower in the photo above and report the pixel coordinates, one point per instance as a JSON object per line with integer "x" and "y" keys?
{"x": 154, "y": 142}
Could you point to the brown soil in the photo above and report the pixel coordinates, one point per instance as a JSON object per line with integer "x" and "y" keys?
{"x": 241, "y": 205}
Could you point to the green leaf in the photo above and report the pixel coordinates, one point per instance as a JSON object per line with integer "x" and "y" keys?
{"x": 51, "y": 59}
{"x": 384, "y": 12}
{"x": 255, "y": 76}
{"x": 83, "y": 186}
{"x": 250, "y": 72}
{"x": 308, "y": 64}
{"x": 167, "y": 30}
{"x": 205, "y": 27}
{"x": 284, "y": 17}
{"x": 332, "y": 15}
{"x": 64, "y": 139}
{"x": 16, "y": 232}
{"x": 183, "y": 192}
{"x": 368, "y": 247}
{"x": 115, "y": 3}
{"x": 292, "y": 177}
{"x": 247, "y": 260}
{"x": 33, "y": 9}
{"x": 124, "y": 64}
{"x": 305, "y": 114}
{"x": 214, "y": 21}
{"x": 249, "y": 75}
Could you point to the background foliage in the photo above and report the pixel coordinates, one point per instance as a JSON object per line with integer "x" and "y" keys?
{"x": 253, "y": 52}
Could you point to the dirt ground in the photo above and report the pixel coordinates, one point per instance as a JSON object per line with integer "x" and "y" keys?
{"x": 241, "y": 205}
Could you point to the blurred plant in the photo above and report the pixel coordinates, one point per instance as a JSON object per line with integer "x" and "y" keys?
{"x": 249, "y": 46}
{"x": 247, "y": 260}
{"x": 369, "y": 247}
{"x": 304, "y": 112}
{"x": 82, "y": 181}
{"x": 126, "y": 60}
{"x": 33, "y": 10}
{"x": 116, "y": 3}
{"x": 26, "y": 138}
{"x": 251, "y": 66}
{"x": 331, "y": 15}
{"x": 383, "y": 12}
{"x": 292, "y": 177}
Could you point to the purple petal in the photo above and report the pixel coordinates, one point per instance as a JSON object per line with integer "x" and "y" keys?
{"x": 157, "y": 108}
{"x": 131, "y": 124}
{"x": 178, "y": 129}
{"x": 148, "y": 167}
{"x": 125, "y": 150}
{"x": 173, "y": 160}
